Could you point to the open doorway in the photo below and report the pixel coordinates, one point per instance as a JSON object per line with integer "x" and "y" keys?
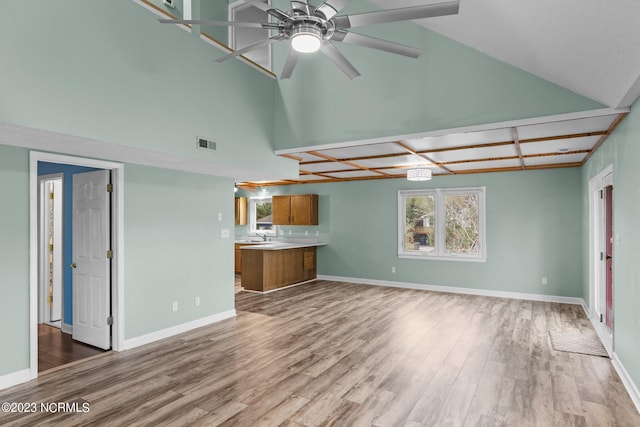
{"x": 63, "y": 231}
{"x": 601, "y": 256}
{"x": 76, "y": 275}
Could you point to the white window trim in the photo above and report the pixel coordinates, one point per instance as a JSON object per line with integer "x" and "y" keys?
{"x": 252, "y": 216}
{"x": 440, "y": 254}
{"x": 233, "y": 8}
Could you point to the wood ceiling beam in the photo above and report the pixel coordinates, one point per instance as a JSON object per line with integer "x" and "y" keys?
{"x": 569, "y": 136}
{"x": 346, "y": 162}
{"x": 291, "y": 156}
{"x": 424, "y": 156}
{"x": 609, "y": 131}
{"x": 516, "y": 141}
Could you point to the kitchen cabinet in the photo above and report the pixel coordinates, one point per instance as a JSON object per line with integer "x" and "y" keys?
{"x": 298, "y": 209}
{"x": 241, "y": 211}
{"x": 267, "y": 270}
{"x": 238, "y": 256}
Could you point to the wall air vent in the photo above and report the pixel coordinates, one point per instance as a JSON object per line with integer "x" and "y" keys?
{"x": 205, "y": 144}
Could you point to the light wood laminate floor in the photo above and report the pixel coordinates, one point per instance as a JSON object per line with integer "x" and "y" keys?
{"x": 341, "y": 354}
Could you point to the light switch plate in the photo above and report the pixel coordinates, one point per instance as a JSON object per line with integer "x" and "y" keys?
{"x": 224, "y": 234}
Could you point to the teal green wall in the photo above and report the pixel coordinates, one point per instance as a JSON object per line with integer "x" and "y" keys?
{"x": 533, "y": 230}
{"x": 107, "y": 70}
{"x": 173, "y": 249}
{"x": 14, "y": 259}
{"x": 622, "y": 149}
{"x": 450, "y": 85}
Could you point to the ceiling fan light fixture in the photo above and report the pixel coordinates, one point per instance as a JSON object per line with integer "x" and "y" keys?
{"x": 306, "y": 39}
{"x": 419, "y": 173}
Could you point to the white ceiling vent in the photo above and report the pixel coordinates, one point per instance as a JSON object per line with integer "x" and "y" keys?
{"x": 205, "y": 144}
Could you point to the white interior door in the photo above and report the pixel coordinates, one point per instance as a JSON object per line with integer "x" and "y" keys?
{"x": 91, "y": 265}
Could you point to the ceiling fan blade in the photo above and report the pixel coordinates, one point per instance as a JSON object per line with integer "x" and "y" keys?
{"x": 249, "y": 48}
{"x": 292, "y": 60}
{"x": 276, "y": 13}
{"x": 303, "y": 6}
{"x": 375, "y": 43}
{"x": 394, "y": 15}
{"x": 337, "y": 58}
{"x": 213, "y": 23}
{"x": 330, "y": 8}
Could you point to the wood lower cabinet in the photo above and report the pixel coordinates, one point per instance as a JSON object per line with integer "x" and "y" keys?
{"x": 238, "y": 256}
{"x": 266, "y": 270}
{"x": 299, "y": 209}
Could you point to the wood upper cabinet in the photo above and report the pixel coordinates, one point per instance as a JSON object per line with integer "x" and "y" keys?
{"x": 299, "y": 209}
{"x": 241, "y": 211}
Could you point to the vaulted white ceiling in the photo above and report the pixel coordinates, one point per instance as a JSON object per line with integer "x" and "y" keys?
{"x": 591, "y": 47}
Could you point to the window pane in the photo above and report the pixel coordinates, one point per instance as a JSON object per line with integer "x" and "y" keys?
{"x": 462, "y": 224}
{"x": 419, "y": 224}
{"x": 263, "y": 215}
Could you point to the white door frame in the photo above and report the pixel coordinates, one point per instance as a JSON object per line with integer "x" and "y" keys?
{"x": 117, "y": 236}
{"x": 597, "y": 276}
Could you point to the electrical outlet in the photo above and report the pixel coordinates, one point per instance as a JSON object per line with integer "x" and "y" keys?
{"x": 393, "y": 269}
{"x": 544, "y": 280}
{"x": 197, "y": 301}
{"x": 289, "y": 232}
{"x": 174, "y": 306}
{"x": 219, "y": 216}
{"x": 306, "y": 232}
{"x": 317, "y": 233}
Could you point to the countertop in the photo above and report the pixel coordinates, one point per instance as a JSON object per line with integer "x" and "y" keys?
{"x": 278, "y": 244}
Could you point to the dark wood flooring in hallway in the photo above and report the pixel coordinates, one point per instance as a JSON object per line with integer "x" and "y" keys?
{"x": 56, "y": 348}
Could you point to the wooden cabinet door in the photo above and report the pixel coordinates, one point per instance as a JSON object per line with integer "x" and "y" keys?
{"x": 304, "y": 209}
{"x": 241, "y": 210}
{"x": 281, "y": 210}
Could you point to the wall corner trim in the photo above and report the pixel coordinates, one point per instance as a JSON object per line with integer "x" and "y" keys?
{"x": 15, "y": 378}
{"x": 626, "y": 379}
{"x": 175, "y": 330}
{"x": 456, "y": 290}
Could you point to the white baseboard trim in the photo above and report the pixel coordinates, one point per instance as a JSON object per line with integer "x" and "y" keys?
{"x": 178, "y": 329}
{"x": 456, "y": 290}
{"x": 631, "y": 387}
{"x": 67, "y": 329}
{"x": 15, "y": 378}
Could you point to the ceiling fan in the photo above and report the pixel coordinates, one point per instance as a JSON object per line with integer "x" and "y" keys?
{"x": 311, "y": 28}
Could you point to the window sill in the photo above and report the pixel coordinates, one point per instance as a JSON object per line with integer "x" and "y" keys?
{"x": 442, "y": 258}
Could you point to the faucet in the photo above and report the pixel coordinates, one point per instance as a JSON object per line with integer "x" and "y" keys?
{"x": 264, "y": 236}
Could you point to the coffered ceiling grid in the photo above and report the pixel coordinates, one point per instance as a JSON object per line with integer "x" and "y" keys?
{"x": 558, "y": 144}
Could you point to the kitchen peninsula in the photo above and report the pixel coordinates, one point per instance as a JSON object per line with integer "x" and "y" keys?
{"x": 270, "y": 266}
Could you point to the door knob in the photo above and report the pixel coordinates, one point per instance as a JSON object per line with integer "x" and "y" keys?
{"x": 73, "y": 265}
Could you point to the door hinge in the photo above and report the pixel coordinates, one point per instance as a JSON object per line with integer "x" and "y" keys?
{"x": 600, "y": 317}
{"x": 109, "y": 188}
{"x": 110, "y": 320}
{"x": 109, "y": 254}
{"x": 601, "y": 194}
{"x": 601, "y": 256}
{"x": 51, "y": 196}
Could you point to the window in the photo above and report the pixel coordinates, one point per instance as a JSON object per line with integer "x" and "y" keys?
{"x": 442, "y": 224}
{"x": 240, "y": 37}
{"x": 260, "y": 216}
